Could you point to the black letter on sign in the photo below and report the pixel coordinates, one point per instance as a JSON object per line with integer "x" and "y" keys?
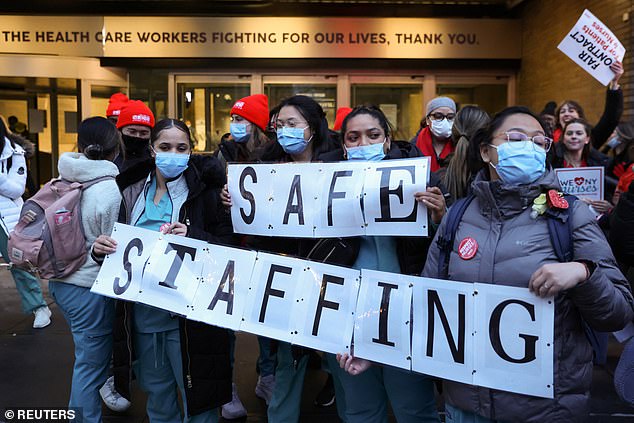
{"x": 433, "y": 303}
{"x": 385, "y": 192}
{"x": 271, "y": 291}
{"x": 181, "y": 250}
{"x": 296, "y": 187}
{"x": 135, "y": 243}
{"x": 220, "y": 292}
{"x": 325, "y": 303}
{"x": 385, "y": 308}
{"x": 247, "y": 195}
{"x": 494, "y": 333}
{"x": 339, "y": 194}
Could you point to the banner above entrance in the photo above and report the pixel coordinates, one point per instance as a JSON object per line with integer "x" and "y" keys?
{"x": 261, "y": 37}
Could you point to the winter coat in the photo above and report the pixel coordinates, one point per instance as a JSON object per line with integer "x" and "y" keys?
{"x": 511, "y": 247}
{"x": 12, "y": 181}
{"x": 99, "y": 206}
{"x": 204, "y": 348}
{"x": 622, "y": 228}
{"x": 607, "y": 123}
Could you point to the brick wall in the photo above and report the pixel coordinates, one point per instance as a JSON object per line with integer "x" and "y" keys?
{"x": 547, "y": 74}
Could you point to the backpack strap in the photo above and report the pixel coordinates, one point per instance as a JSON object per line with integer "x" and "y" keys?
{"x": 446, "y": 239}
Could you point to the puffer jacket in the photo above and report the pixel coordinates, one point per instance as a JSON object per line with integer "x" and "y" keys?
{"x": 512, "y": 246}
{"x": 12, "y": 182}
{"x": 204, "y": 348}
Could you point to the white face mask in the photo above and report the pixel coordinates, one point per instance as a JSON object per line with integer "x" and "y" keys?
{"x": 441, "y": 128}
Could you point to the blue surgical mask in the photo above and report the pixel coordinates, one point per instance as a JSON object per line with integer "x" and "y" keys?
{"x": 520, "y": 162}
{"x": 292, "y": 140}
{"x": 369, "y": 153}
{"x": 171, "y": 164}
{"x": 239, "y": 132}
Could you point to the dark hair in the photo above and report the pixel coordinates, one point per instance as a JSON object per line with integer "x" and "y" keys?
{"x": 571, "y": 104}
{"x": 98, "y": 138}
{"x": 549, "y": 109}
{"x": 4, "y": 131}
{"x": 468, "y": 120}
{"x": 164, "y": 124}
{"x": 485, "y": 135}
{"x": 316, "y": 118}
{"x": 372, "y": 110}
{"x": 625, "y": 132}
{"x": 587, "y": 127}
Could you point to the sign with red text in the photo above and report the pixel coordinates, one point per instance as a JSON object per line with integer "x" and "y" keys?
{"x": 582, "y": 182}
{"x": 592, "y": 45}
{"x": 486, "y": 335}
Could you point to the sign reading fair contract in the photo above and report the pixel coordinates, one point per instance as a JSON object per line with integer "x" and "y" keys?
{"x": 592, "y": 45}
{"x": 486, "y": 335}
{"x": 583, "y": 182}
{"x": 329, "y": 199}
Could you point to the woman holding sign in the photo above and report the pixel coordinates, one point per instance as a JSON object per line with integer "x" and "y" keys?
{"x": 176, "y": 193}
{"x": 506, "y": 225}
{"x": 367, "y": 137}
{"x": 569, "y": 110}
{"x": 576, "y": 151}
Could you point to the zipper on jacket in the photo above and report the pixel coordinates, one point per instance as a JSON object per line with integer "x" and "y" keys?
{"x": 189, "y": 363}
{"x": 128, "y": 341}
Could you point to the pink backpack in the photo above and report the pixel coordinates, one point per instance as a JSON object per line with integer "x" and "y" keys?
{"x": 49, "y": 238}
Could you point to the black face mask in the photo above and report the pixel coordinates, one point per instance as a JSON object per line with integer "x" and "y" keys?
{"x": 135, "y": 146}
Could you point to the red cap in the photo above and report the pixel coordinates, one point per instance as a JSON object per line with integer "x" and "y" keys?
{"x": 116, "y": 102}
{"x": 135, "y": 112}
{"x": 254, "y": 108}
{"x": 342, "y": 112}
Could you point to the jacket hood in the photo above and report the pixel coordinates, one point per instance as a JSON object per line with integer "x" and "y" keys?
{"x": 76, "y": 167}
{"x": 509, "y": 200}
{"x": 10, "y": 149}
{"x": 28, "y": 146}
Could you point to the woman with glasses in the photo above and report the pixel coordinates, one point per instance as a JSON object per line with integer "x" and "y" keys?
{"x": 576, "y": 150}
{"x": 434, "y": 140}
{"x": 514, "y": 249}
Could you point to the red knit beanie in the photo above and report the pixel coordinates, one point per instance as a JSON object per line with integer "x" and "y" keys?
{"x": 342, "y": 112}
{"x": 254, "y": 108}
{"x": 116, "y": 102}
{"x": 135, "y": 112}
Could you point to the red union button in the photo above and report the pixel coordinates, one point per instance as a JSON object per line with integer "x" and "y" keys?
{"x": 468, "y": 248}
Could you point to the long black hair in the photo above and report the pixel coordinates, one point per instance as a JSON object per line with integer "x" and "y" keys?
{"x": 484, "y": 135}
{"x": 164, "y": 124}
{"x": 98, "y": 138}
{"x": 3, "y": 134}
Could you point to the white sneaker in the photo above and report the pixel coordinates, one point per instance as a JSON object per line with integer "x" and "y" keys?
{"x": 234, "y": 409}
{"x": 42, "y": 317}
{"x": 264, "y": 388}
{"x": 112, "y": 398}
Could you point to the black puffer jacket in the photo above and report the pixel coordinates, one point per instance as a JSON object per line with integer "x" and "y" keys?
{"x": 204, "y": 348}
{"x": 622, "y": 229}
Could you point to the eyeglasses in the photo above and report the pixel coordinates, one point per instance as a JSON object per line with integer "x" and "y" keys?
{"x": 291, "y": 123}
{"x": 440, "y": 116}
{"x": 515, "y": 140}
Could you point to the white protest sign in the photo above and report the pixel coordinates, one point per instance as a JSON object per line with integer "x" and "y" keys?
{"x": 382, "y": 324}
{"x": 389, "y": 203}
{"x": 583, "y": 182}
{"x": 121, "y": 273}
{"x": 324, "y": 317}
{"x": 224, "y": 286}
{"x": 329, "y": 199}
{"x": 172, "y": 273}
{"x": 342, "y": 186}
{"x": 443, "y": 317}
{"x": 495, "y": 336}
{"x": 592, "y": 45}
{"x": 273, "y": 293}
{"x": 514, "y": 347}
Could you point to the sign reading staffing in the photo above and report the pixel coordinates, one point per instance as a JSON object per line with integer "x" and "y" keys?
{"x": 592, "y": 45}
{"x": 261, "y": 37}
{"x": 494, "y": 336}
{"x": 583, "y": 182}
{"x": 329, "y": 199}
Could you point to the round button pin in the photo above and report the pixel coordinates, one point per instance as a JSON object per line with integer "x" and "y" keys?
{"x": 468, "y": 248}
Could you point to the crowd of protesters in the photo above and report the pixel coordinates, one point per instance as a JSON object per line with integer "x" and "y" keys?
{"x": 152, "y": 178}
